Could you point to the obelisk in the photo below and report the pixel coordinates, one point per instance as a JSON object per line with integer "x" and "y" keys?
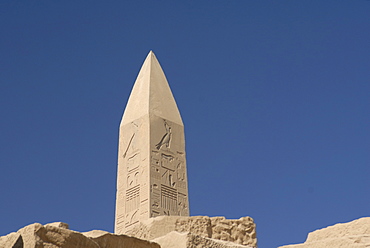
{"x": 151, "y": 177}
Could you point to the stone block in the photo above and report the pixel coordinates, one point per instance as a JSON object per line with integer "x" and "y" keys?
{"x": 13, "y": 240}
{"x": 57, "y": 235}
{"x": 189, "y": 240}
{"x": 354, "y": 234}
{"x": 108, "y": 240}
{"x": 241, "y": 231}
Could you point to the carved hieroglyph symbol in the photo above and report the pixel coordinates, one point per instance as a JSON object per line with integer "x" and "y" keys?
{"x": 166, "y": 139}
{"x": 128, "y": 146}
{"x": 168, "y": 178}
{"x": 168, "y": 161}
{"x": 182, "y": 204}
{"x": 168, "y": 198}
{"x": 134, "y": 127}
{"x": 133, "y": 162}
{"x": 180, "y": 171}
{"x": 133, "y": 180}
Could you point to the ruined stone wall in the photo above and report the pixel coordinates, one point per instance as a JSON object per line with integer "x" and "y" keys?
{"x": 57, "y": 235}
{"x": 241, "y": 231}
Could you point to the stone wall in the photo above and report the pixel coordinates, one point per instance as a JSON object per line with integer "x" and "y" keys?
{"x": 57, "y": 235}
{"x": 241, "y": 231}
{"x": 354, "y": 234}
{"x": 158, "y": 232}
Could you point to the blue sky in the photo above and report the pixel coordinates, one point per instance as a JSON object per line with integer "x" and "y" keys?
{"x": 274, "y": 96}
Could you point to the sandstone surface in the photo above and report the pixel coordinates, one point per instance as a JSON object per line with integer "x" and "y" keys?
{"x": 189, "y": 240}
{"x": 151, "y": 173}
{"x": 354, "y": 234}
{"x": 57, "y": 235}
{"x": 163, "y": 229}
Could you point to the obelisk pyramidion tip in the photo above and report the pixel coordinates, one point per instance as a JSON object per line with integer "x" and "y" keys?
{"x": 151, "y": 94}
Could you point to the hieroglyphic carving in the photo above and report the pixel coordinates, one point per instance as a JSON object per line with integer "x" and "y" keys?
{"x": 120, "y": 219}
{"x": 182, "y": 204}
{"x": 168, "y": 169}
{"x": 168, "y": 178}
{"x": 132, "y": 218}
{"x": 154, "y": 167}
{"x": 180, "y": 171}
{"x": 132, "y": 205}
{"x": 131, "y": 145}
{"x": 132, "y": 188}
{"x": 151, "y": 158}
{"x": 155, "y": 161}
{"x": 168, "y": 198}
{"x": 144, "y": 208}
{"x": 165, "y": 193}
{"x": 167, "y": 161}
{"x": 166, "y": 139}
{"x": 181, "y": 175}
{"x": 132, "y": 179}
{"x": 155, "y": 201}
{"x": 132, "y": 198}
{"x": 128, "y": 146}
{"x": 133, "y": 161}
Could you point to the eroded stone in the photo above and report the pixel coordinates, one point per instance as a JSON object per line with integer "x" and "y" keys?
{"x": 55, "y": 235}
{"x": 241, "y": 231}
{"x": 109, "y": 240}
{"x": 13, "y": 240}
{"x": 354, "y": 234}
{"x": 189, "y": 240}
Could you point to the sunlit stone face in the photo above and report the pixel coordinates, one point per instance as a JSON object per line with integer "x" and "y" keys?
{"x": 151, "y": 178}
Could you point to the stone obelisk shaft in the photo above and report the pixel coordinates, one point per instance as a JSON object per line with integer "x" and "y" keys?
{"x": 151, "y": 178}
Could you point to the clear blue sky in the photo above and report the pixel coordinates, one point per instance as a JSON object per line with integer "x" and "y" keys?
{"x": 275, "y": 98}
